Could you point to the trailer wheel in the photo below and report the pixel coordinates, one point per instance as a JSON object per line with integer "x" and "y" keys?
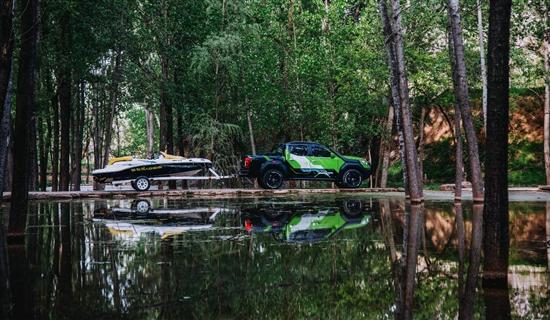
{"x": 141, "y": 206}
{"x": 141, "y": 184}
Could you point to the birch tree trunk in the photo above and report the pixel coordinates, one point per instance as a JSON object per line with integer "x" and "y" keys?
{"x": 421, "y": 144}
{"x": 461, "y": 94}
{"x": 459, "y": 161}
{"x": 112, "y": 107}
{"x": 6, "y": 49}
{"x": 546, "y": 52}
{"x": 386, "y": 148}
{"x": 6, "y": 84}
{"x": 150, "y": 127}
{"x": 415, "y": 183}
{"x": 483, "y": 66}
{"x": 394, "y": 86}
{"x": 251, "y": 131}
{"x": 55, "y": 142}
{"x": 5, "y": 126}
{"x": 25, "y": 104}
{"x": 495, "y": 215}
{"x": 77, "y": 141}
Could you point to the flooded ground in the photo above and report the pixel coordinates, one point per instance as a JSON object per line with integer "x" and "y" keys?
{"x": 328, "y": 257}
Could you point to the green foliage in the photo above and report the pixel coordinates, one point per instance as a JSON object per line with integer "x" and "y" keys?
{"x": 526, "y": 164}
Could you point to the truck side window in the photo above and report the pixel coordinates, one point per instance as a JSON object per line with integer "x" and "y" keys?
{"x": 317, "y": 151}
{"x": 298, "y": 150}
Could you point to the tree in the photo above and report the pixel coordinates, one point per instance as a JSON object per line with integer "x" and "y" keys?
{"x": 495, "y": 214}
{"x": 482, "y": 63}
{"x": 6, "y": 82}
{"x": 462, "y": 98}
{"x": 26, "y": 85}
{"x": 414, "y": 182}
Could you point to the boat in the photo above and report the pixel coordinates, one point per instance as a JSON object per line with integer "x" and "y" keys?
{"x": 141, "y": 172}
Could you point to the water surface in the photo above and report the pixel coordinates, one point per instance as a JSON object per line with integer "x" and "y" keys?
{"x": 328, "y": 257}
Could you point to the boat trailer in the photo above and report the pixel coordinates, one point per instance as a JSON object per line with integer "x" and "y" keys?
{"x": 143, "y": 183}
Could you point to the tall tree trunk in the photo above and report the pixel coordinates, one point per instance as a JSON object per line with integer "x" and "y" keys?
{"x": 414, "y": 181}
{"x": 546, "y": 53}
{"x": 251, "y": 131}
{"x": 43, "y": 154}
{"x": 5, "y": 129}
{"x": 483, "y": 65}
{"x": 6, "y": 49}
{"x": 461, "y": 94}
{"x": 97, "y": 137}
{"x": 421, "y": 143}
{"x": 65, "y": 95}
{"x": 166, "y": 118}
{"x": 495, "y": 215}
{"x": 112, "y": 107}
{"x": 55, "y": 142}
{"x": 394, "y": 86}
{"x": 33, "y": 152}
{"x": 6, "y": 83}
{"x": 150, "y": 127}
{"x": 78, "y": 133}
{"x": 386, "y": 143}
{"x": 8, "y": 172}
{"x": 179, "y": 132}
{"x": 24, "y": 109}
{"x": 459, "y": 161}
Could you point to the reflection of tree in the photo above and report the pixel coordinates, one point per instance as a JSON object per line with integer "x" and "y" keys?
{"x": 411, "y": 244}
{"x": 467, "y": 291}
{"x": 547, "y": 227}
{"x": 4, "y": 275}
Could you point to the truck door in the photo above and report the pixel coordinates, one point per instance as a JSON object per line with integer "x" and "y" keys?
{"x": 326, "y": 161}
{"x": 297, "y": 157}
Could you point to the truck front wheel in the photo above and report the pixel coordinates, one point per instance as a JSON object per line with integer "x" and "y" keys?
{"x": 351, "y": 178}
{"x": 272, "y": 179}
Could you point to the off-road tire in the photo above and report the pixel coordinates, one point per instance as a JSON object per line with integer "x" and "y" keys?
{"x": 351, "y": 178}
{"x": 271, "y": 179}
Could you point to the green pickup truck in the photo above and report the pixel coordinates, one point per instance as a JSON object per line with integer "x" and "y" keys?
{"x": 304, "y": 161}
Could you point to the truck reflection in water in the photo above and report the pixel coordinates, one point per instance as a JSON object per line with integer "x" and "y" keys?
{"x": 303, "y": 223}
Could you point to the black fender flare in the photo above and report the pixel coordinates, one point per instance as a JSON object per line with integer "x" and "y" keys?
{"x": 273, "y": 164}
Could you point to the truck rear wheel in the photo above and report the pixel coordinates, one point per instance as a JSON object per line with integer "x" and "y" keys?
{"x": 271, "y": 179}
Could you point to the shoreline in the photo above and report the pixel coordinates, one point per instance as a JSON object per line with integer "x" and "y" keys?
{"x": 515, "y": 194}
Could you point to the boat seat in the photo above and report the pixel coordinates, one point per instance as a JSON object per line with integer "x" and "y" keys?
{"x": 171, "y": 156}
{"x": 119, "y": 159}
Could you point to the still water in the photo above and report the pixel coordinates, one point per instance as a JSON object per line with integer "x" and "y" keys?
{"x": 324, "y": 257}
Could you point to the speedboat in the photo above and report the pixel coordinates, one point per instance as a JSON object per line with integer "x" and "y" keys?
{"x": 139, "y": 172}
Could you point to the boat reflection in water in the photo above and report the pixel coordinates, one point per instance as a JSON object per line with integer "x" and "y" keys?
{"x": 303, "y": 223}
{"x": 141, "y": 219}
